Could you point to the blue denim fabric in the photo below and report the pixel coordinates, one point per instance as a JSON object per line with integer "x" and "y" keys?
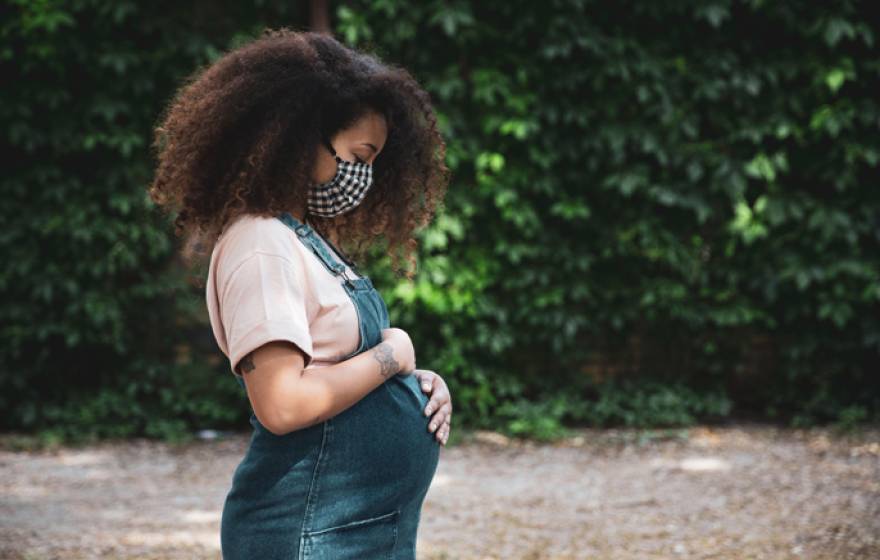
{"x": 351, "y": 487}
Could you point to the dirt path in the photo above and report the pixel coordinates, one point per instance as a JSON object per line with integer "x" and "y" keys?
{"x": 744, "y": 493}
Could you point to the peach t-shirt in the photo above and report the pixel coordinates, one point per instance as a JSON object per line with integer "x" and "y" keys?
{"x": 265, "y": 284}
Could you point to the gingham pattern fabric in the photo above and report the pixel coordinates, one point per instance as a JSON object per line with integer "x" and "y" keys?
{"x": 344, "y": 191}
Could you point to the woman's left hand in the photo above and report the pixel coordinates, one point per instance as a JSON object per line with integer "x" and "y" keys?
{"x": 440, "y": 403}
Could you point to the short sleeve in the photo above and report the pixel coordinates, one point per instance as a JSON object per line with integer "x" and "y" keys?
{"x": 264, "y": 299}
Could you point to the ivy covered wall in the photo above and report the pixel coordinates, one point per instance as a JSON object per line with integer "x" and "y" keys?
{"x": 660, "y": 212}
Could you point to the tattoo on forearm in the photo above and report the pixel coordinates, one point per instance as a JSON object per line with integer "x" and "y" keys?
{"x": 384, "y": 354}
{"x": 246, "y": 364}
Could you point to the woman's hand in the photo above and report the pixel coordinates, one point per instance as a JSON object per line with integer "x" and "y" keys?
{"x": 440, "y": 403}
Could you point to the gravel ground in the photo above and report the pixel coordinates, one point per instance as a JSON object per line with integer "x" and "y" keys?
{"x": 745, "y": 492}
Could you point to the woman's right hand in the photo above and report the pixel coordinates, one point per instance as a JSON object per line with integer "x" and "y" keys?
{"x": 403, "y": 351}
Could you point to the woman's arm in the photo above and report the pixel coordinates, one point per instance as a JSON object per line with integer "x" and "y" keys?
{"x": 285, "y": 397}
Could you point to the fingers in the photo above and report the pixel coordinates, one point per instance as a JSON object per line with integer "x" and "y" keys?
{"x": 439, "y": 401}
{"x": 442, "y": 415}
{"x": 443, "y": 433}
{"x": 429, "y": 381}
{"x": 440, "y": 422}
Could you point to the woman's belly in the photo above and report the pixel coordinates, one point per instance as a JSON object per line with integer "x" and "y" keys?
{"x": 355, "y": 482}
{"x": 378, "y": 456}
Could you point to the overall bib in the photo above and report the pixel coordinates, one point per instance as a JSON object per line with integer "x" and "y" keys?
{"x": 351, "y": 487}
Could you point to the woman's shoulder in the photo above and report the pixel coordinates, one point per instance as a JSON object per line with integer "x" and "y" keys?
{"x": 265, "y": 233}
{"x": 250, "y": 234}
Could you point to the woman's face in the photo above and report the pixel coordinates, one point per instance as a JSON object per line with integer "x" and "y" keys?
{"x": 361, "y": 142}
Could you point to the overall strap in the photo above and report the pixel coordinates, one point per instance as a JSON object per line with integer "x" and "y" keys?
{"x": 308, "y": 236}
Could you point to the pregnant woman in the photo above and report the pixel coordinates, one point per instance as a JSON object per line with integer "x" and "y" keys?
{"x": 272, "y": 156}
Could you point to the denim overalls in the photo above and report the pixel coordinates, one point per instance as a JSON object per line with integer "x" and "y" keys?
{"x": 351, "y": 487}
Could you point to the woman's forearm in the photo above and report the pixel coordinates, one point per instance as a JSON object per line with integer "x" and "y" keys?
{"x": 321, "y": 393}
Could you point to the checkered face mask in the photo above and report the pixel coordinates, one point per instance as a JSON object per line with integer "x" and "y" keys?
{"x": 344, "y": 191}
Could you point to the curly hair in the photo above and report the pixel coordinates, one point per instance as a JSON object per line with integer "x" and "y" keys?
{"x": 241, "y": 135}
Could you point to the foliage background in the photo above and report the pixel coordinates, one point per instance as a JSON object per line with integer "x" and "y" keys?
{"x": 661, "y": 213}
